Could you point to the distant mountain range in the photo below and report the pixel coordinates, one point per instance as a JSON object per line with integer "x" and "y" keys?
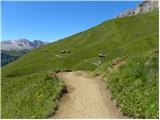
{"x": 144, "y": 7}
{"x": 13, "y": 49}
{"x": 21, "y": 44}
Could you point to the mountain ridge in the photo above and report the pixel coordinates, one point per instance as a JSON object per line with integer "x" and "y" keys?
{"x": 21, "y": 44}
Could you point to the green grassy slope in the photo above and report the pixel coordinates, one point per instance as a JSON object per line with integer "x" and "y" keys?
{"x": 30, "y": 96}
{"x": 115, "y": 38}
{"x": 134, "y": 85}
{"x": 10, "y": 56}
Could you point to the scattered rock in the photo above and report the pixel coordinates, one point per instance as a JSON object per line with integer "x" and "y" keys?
{"x": 63, "y": 51}
{"x": 157, "y": 50}
{"x": 68, "y": 51}
{"x": 119, "y": 61}
{"x": 102, "y": 55}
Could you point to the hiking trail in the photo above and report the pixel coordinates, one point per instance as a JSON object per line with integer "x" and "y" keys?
{"x": 87, "y": 97}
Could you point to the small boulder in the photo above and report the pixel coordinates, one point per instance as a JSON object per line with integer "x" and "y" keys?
{"x": 68, "y": 51}
{"x": 102, "y": 55}
{"x": 157, "y": 50}
{"x": 63, "y": 51}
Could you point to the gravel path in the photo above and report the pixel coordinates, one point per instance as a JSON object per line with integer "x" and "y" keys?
{"x": 87, "y": 97}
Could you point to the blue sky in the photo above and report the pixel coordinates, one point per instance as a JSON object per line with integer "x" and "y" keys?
{"x": 53, "y": 20}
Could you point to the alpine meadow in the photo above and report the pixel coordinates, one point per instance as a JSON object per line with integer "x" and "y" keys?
{"x": 121, "y": 52}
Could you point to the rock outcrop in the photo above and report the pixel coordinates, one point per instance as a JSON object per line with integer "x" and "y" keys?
{"x": 144, "y": 7}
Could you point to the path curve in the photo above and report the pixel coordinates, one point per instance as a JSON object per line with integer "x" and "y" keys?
{"x": 87, "y": 97}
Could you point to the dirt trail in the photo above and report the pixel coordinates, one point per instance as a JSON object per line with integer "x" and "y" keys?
{"x": 87, "y": 97}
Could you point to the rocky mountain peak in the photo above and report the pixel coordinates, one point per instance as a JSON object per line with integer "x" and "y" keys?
{"x": 21, "y": 44}
{"x": 144, "y": 7}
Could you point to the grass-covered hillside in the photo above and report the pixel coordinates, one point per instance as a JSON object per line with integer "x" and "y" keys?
{"x": 27, "y": 93}
{"x": 134, "y": 84}
{"x": 115, "y": 38}
{"x": 10, "y": 56}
